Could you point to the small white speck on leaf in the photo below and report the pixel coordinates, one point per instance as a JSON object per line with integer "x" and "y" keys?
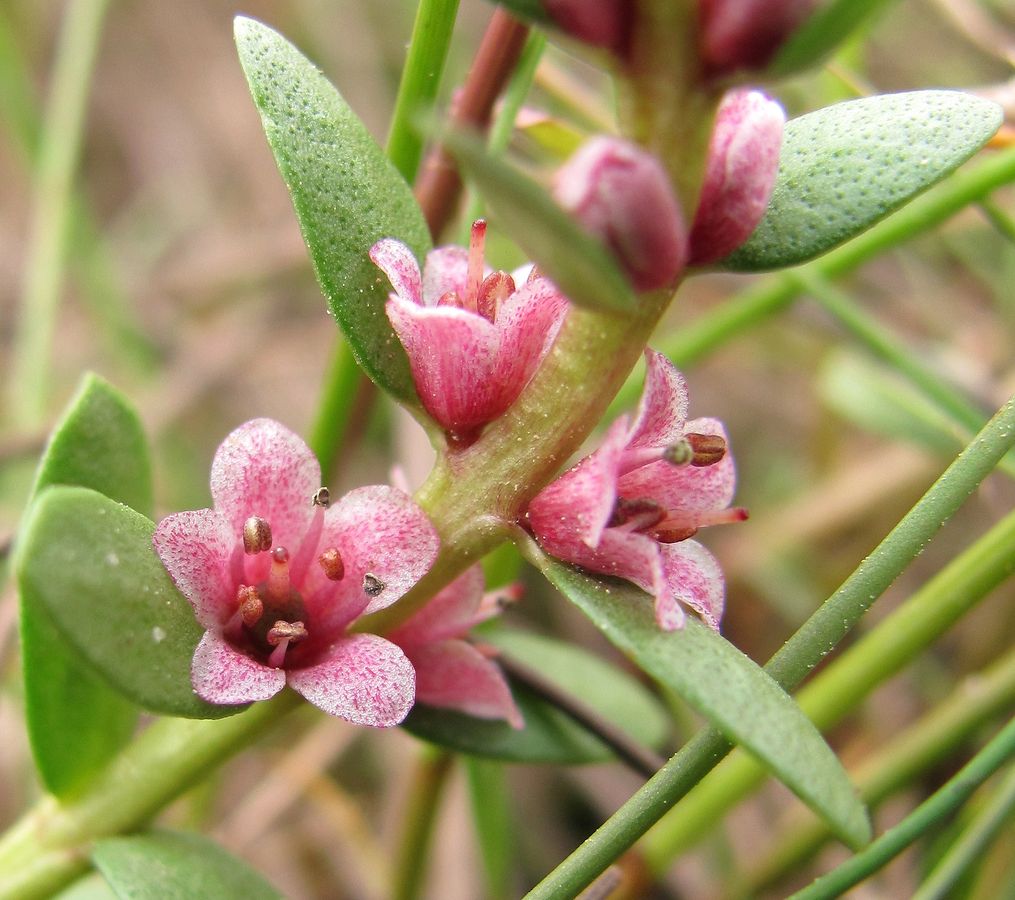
{"x": 158, "y": 634}
{"x": 112, "y": 559}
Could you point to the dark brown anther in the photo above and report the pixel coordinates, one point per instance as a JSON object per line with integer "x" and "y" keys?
{"x": 321, "y": 498}
{"x": 674, "y": 535}
{"x": 331, "y": 562}
{"x": 282, "y": 630}
{"x": 708, "y": 448}
{"x": 372, "y": 585}
{"x": 256, "y": 535}
{"x": 494, "y": 290}
{"x": 647, "y": 512}
{"x": 250, "y": 605}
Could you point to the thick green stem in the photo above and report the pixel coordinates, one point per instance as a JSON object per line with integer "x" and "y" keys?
{"x": 926, "y": 816}
{"x": 48, "y": 847}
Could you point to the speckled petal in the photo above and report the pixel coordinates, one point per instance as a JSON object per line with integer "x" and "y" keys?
{"x": 693, "y": 577}
{"x": 362, "y": 678}
{"x": 662, "y": 410}
{"x": 451, "y": 613}
{"x": 221, "y": 674}
{"x": 445, "y": 270}
{"x": 528, "y": 323}
{"x": 264, "y": 469}
{"x": 455, "y": 675}
{"x": 571, "y": 512}
{"x": 396, "y": 261}
{"x": 195, "y": 547}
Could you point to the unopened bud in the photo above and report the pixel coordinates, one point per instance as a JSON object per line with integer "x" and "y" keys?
{"x": 746, "y": 34}
{"x": 372, "y": 585}
{"x": 622, "y": 195}
{"x": 331, "y": 563}
{"x": 743, "y": 161}
{"x": 601, "y": 23}
{"x": 707, "y": 449}
{"x": 256, "y": 535}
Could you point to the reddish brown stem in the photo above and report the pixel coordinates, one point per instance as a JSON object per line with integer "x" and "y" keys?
{"x": 439, "y": 184}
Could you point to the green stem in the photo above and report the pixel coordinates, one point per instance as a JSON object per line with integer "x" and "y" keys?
{"x": 429, "y": 781}
{"x": 801, "y": 653}
{"x": 47, "y": 848}
{"x": 58, "y": 155}
{"x": 882, "y": 343}
{"x": 421, "y": 80}
{"x": 976, "y": 702}
{"x": 342, "y": 384}
{"x": 495, "y": 828}
{"x": 926, "y": 816}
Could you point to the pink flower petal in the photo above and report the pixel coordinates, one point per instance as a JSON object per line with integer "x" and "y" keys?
{"x": 221, "y": 674}
{"x": 574, "y": 509}
{"x": 445, "y": 269}
{"x": 264, "y": 469}
{"x": 451, "y": 613}
{"x": 693, "y": 577}
{"x": 662, "y": 410}
{"x": 528, "y": 322}
{"x": 195, "y": 547}
{"x": 396, "y": 261}
{"x": 362, "y": 678}
{"x": 455, "y": 675}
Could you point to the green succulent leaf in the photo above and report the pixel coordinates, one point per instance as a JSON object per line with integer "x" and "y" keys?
{"x": 346, "y": 193}
{"x": 549, "y": 736}
{"x": 76, "y": 722}
{"x": 726, "y": 687}
{"x": 89, "y": 562}
{"x": 579, "y": 264}
{"x": 164, "y": 865}
{"x": 847, "y": 166}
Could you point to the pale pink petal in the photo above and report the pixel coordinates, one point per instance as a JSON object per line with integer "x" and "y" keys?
{"x": 574, "y": 509}
{"x": 221, "y": 674}
{"x": 662, "y": 410}
{"x": 362, "y": 678}
{"x": 528, "y": 323}
{"x": 453, "y": 355}
{"x": 446, "y": 269}
{"x": 451, "y": 613}
{"x": 195, "y": 547}
{"x": 686, "y": 490}
{"x": 693, "y": 577}
{"x": 455, "y": 675}
{"x": 396, "y": 261}
{"x": 264, "y": 469}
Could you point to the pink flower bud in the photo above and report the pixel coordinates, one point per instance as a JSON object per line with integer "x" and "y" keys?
{"x": 743, "y": 160}
{"x": 745, "y": 34}
{"x": 621, "y": 194}
{"x": 601, "y": 23}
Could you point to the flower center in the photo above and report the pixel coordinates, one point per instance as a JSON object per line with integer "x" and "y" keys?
{"x": 482, "y": 295}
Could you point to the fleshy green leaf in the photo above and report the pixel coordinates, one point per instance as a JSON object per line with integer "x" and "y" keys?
{"x": 346, "y": 193}
{"x": 823, "y": 31}
{"x": 89, "y": 561}
{"x": 579, "y": 264}
{"x": 844, "y": 167}
{"x": 76, "y": 722}
{"x": 163, "y": 865}
{"x": 726, "y": 687}
{"x": 549, "y": 735}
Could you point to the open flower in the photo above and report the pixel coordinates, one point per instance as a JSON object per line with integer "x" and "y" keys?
{"x": 630, "y": 508}
{"x": 473, "y": 337}
{"x": 276, "y": 573}
{"x": 450, "y": 671}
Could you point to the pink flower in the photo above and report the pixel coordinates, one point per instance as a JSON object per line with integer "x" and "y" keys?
{"x": 276, "y": 574}
{"x": 622, "y": 195}
{"x": 473, "y": 338}
{"x": 630, "y": 508}
{"x": 746, "y": 34}
{"x": 743, "y": 161}
{"x": 451, "y": 672}
{"x": 602, "y": 23}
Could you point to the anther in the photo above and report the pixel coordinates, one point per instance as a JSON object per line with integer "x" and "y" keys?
{"x": 708, "y": 448}
{"x": 249, "y": 604}
{"x": 286, "y": 631}
{"x": 642, "y": 512}
{"x": 331, "y": 563}
{"x": 321, "y": 498}
{"x": 674, "y": 535}
{"x": 494, "y": 290}
{"x": 256, "y": 535}
{"x": 372, "y": 585}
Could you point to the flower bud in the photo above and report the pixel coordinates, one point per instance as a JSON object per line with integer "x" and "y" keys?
{"x": 601, "y": 23}
{"x": 621, "y": 194}
{"x": 746, "y": 34}
{"x": 743, "y": 160}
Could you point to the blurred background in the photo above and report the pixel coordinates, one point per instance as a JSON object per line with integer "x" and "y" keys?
{"x": 185, "y": 282}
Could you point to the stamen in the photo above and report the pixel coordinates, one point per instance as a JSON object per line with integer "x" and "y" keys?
{"x": 321, "y": 498}
{"x": 494, "y": 290}
{"x": 708, "y": 448}
{"x": 679, "y": 454}
{"x": 372, "y": 585}
{"x": 278, "y": 575}
{"x": 280, "y": 635}
{"x": 249, "y": 605}
{"x": 477, "y": 238}
{"x": 256, "y": 535}
{"x": 680, "y": 527}
{"x": 331, "y": 562}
